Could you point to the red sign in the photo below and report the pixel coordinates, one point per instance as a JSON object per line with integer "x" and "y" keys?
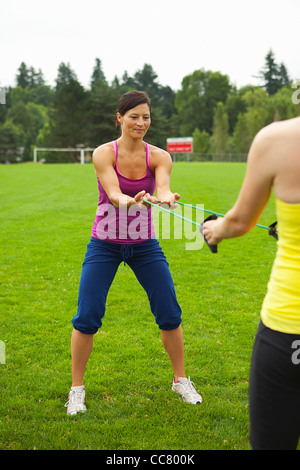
{"x": 180, "y": 145}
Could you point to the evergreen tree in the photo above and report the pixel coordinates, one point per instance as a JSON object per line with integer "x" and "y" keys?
{"x": 97, "y": 72}
{"x": 68, "y": 116}
{"x": 23, "y": 76}
{"x": 284, "y": 76}
{"x": 274, "y": 76}
{"x": 270, "y": 74}
{"x": 166, "y": 102}
{"x": 35, "y": 78}
{"x": 102, "y": 114}
{"x": 65, "y": 75}
{"x": 128, "y": 83}
{"x": 160, "y": 129}
{"x": 28, "y": 77}
{"x": 42, "y": 95}
{"x": 146, "y": 80}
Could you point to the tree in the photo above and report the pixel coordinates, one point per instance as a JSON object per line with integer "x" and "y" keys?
{"x": 145, "y": 80}
{"x": 35, "y": 78}
{"x": 19, "y": 94}
{"x": 257, "y": 115}
{"x": 102, "y": 114}
{"x": 68, "y": 116}
{"x": 284, "y": 76}
{"x": 29, "y": 119}
{"x": 28, "y": 77}
{"x": 20, "y": 115}
{"x": 220, "y": 130}
{"x": 235, "y": 104}
{"x": 97, "y": 73}
{"x": 166, "y": 102}
{"x": 259, "y": 112}
{"x": 23, "y": 77}
{"x": 195, "y": 102}
{"x": 201, "y": 141}
{"x": 281, "y": 104}
{"x": 128, "y": 83}
{"x": 65, "y": 75}
{"x": 11, "y": 139}
{"x": 42, "y": 94}
{"x": 39, "y": 117}
{"x": 275, "y": 77}
{"x": 160, "y": 129}
{"x": 241, "y": 135}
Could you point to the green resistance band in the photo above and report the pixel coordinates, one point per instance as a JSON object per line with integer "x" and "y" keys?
{"x": 271, "y": 229}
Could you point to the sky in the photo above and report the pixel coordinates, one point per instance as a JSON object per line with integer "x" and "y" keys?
{"x": 174, "y": 37}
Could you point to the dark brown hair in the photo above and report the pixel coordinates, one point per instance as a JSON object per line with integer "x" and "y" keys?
{"x": 131, "y": 99}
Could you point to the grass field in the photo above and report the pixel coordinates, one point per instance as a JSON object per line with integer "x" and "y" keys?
{"x": 46, "y": 216}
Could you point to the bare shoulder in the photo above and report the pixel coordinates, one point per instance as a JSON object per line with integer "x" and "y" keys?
{"x": 275, "y": 139}
{"x": 159, "y": 157}
{"x": 104, "y": 154}
{"x": 278, "y": 130}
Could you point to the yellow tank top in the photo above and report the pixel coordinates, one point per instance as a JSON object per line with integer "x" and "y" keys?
{"x": 281, "y": 306}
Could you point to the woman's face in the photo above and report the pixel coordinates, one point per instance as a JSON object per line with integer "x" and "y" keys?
{"x": 136, "y": 121}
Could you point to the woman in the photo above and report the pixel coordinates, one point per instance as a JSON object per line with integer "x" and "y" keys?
{"x": 274, "y": 394}
{"x": 128, "y": 171}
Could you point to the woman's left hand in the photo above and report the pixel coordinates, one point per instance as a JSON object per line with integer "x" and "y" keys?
{"x": 141, "y": 197}
{"x": 170, "y": 200}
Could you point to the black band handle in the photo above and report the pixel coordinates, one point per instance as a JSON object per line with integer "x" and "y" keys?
{"x": 213, "y": 248}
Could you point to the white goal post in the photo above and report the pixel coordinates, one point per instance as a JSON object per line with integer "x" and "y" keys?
{"x": 78, "y": 149}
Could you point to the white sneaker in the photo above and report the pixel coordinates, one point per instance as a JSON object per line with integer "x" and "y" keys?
{"x": 186, "y": 389}
{"x": 75, "y": 404}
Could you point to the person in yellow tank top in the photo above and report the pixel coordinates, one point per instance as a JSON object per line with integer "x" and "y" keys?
{"x": 274, "y": 387}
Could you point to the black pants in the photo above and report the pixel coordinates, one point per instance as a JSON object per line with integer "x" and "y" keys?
{"x": 274, "y": 392}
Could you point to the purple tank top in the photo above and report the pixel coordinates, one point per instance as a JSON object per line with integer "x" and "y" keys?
{"x": 122, "y": 225}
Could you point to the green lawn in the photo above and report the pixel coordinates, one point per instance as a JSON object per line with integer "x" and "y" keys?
{"x": 46, "y": 216}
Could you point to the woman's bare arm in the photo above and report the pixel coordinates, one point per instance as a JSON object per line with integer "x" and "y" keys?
{"x": 104, "y": 160}
{"x": 253, "y": 197}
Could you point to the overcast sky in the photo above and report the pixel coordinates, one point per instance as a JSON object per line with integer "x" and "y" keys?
{"x": 174, "y": 37}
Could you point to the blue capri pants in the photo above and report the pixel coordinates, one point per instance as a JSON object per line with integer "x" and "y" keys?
{"x": 151, "y": 269}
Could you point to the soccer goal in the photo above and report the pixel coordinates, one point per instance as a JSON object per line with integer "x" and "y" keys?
{"x": 81, "y": 151}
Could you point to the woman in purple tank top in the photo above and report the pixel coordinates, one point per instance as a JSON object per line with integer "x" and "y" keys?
{"x": 128, "y": 172}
